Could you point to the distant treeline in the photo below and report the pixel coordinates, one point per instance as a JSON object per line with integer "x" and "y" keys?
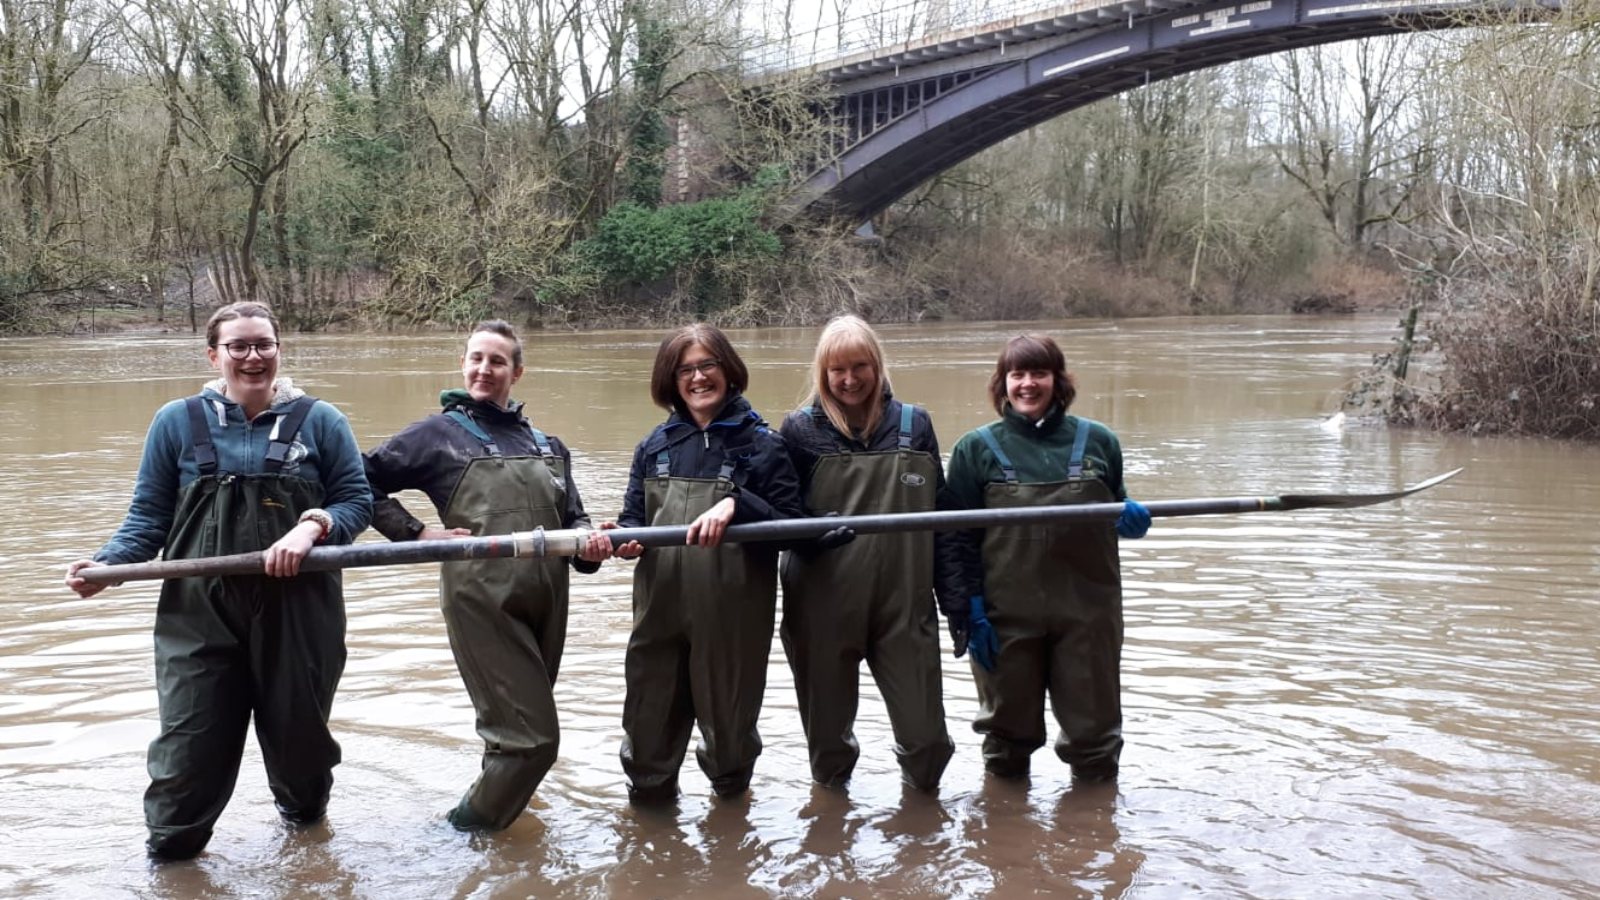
{"x": 360, "y": 163}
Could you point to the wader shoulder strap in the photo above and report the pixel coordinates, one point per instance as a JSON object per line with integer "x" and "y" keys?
{"x": 285, "y": 429}
{"x": 1006, "y": 468}
{"x": 664, "y": 467}
{"x": 820, "y": 421}
{"x": 465, "y": 421}
{"x": 906, "y": 411}
{"x": 542, "y": 442}
{"x": 1080, "y": 440}
{"x": 205, "y": 454}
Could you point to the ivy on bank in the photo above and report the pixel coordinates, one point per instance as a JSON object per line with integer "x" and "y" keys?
{"x": 634, "y": 246}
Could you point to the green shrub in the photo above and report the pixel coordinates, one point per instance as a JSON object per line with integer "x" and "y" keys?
{"x": 634, "y": 245}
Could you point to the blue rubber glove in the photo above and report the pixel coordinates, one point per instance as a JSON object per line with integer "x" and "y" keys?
{"x": 981, "y": 639}
{"x": 1134, "y": 521}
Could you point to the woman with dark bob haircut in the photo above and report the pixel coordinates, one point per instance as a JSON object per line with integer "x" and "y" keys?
{"x": 703, "y": 615}
{"x": 1044, "y": 602}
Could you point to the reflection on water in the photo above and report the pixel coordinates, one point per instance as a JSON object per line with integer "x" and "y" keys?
{"x": 1393, "y": 701}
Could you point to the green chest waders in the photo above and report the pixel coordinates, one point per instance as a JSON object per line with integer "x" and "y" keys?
{"x": 702, "y": 634}
{"x": 227, "y": 648}
{"x": 507, "y": 622}
{"x": 1054, "y": 596}
{"x": 871, "y": 599}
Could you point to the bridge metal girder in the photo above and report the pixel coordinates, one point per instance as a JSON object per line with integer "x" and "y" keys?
{"x": 889, "y": 162}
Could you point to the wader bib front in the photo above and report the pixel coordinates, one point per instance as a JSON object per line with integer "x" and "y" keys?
{"x": 507, "y": 622}
{"x": 229, "y": 647}
{"x": 702, "y": 634}
{"x": 1054, "y": 597}
{"x": 870, "y": 599}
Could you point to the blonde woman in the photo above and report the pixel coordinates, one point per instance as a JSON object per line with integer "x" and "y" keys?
{"x": 859, "y": 451}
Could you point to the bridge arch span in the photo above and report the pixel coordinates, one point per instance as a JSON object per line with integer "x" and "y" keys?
{"x": 885, "y": 165}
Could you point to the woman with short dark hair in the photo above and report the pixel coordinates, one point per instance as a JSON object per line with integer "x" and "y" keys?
{"x": 1044, "y": 602}
{"x": 703, "y": 614}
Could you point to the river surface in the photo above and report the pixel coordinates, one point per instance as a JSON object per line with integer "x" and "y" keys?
{"x": 1395, "y": 701}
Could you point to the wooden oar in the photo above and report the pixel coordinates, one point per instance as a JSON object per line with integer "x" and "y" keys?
{"x": 565, "y": 541}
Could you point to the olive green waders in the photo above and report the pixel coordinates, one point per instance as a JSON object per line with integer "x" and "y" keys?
{"x": 507, "y": 622}
{"x": 1054, "y": 596}
{"x": 227, "y": 648}
{"x": 702, "y": 635}
{"x": 871, "y": 599}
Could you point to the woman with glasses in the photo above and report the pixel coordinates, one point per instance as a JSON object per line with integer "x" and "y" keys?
{"x": 859, "y": 451}
{"x": 488, "y": 471}
{"x": 703, "y": 614}
{"x": 1043, "y": 610}
{"x": 250, "y": 463}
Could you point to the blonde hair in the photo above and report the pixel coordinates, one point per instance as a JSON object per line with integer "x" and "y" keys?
{"x": 846, "y": 336}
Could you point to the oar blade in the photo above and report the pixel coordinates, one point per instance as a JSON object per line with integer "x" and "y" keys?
{"x": 1351, "y": 501}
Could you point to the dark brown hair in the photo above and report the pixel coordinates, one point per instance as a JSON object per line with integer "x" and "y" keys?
{"x": 504, "y": 329}
{"x": 1036, "y": 352}
{"x": 664, "y": 377}
{"x": 245, "y": 309}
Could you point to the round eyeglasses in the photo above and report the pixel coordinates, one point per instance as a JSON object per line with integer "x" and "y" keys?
{"x": 241, "y": 349}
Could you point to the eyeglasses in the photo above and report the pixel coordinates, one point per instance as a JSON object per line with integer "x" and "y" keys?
{"x": 241, "y": 349}
{"x": 704, "y": 367}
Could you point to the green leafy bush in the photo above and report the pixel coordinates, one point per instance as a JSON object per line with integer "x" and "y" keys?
{"x": 635, "y": 245}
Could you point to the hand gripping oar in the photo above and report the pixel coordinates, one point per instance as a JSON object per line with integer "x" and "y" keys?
{"x": 565, "y": 541}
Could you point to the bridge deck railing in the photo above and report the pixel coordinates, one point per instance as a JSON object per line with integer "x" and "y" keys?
{"x": 901, "y": 28}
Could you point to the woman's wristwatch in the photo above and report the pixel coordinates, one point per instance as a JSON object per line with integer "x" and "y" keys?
{"x": 323, "y": 520}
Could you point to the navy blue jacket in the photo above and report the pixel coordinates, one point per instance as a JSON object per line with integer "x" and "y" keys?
{"x": 765, "y": 484}
{"x": 810, "y": 435}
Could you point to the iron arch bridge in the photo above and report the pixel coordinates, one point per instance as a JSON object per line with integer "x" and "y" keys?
{"x": 909, "y": 114}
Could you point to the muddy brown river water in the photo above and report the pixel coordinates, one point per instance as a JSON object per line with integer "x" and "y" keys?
{"x": 1397, "y": 701}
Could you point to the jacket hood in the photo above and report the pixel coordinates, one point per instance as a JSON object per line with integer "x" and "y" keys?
{"x": 735, "y": 409}
{"x": 1051, "y": 421}
{"x": 283, "y": 391}
{"x": 460, "y": 398}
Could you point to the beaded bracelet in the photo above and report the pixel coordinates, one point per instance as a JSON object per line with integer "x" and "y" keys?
{"x": 323, "y": 520}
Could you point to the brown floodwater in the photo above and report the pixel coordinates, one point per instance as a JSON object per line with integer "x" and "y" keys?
{"x": 1396, "y": 701}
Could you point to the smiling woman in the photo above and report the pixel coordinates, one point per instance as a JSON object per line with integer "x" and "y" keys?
{"x": 702, "y": 618}
{"x": 1043, "y": 605}
{"x": 860, "y": 451}
{"x": 213, "y": 479}
{"x": 488, "y": 471}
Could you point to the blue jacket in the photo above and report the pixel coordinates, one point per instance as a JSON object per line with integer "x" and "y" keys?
{"x": 765, "y": 484}
{"x": 325, "y": 450}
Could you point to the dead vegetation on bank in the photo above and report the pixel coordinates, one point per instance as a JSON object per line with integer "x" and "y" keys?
{"x": 1507, "y": 358}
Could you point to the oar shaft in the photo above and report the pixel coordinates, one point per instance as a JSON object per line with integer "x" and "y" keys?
{"x": 941, "y": 520}
{"x": 565, "y": 542}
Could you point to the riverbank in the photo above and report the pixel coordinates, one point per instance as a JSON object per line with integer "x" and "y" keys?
{"x": 973, "y": 281}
